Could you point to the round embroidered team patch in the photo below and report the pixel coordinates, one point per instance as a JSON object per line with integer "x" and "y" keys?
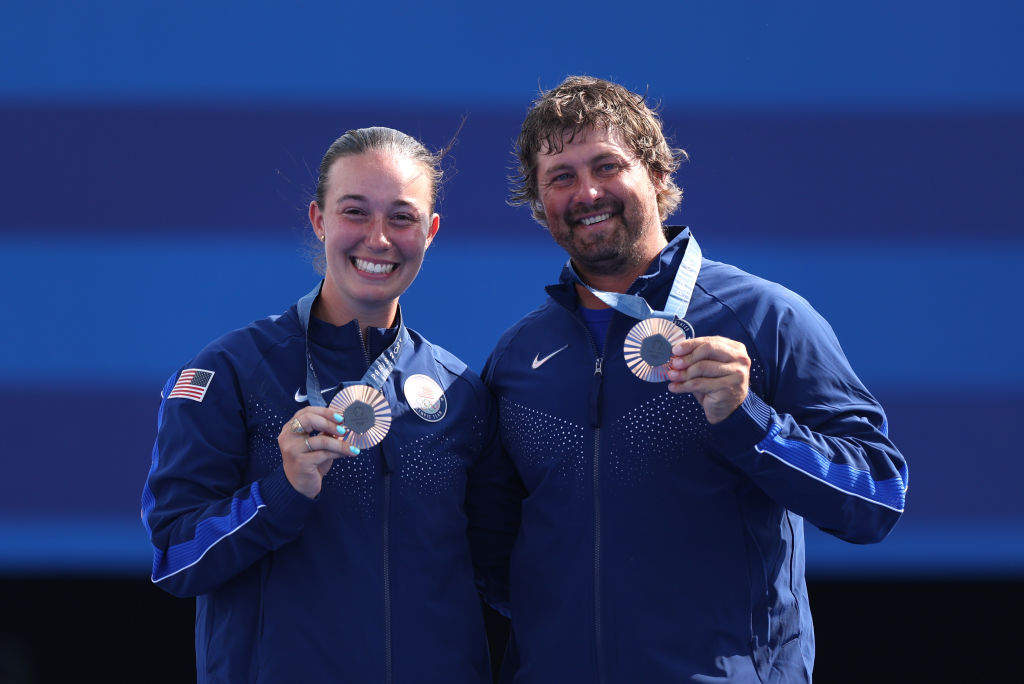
{"x": 425, "y": 397}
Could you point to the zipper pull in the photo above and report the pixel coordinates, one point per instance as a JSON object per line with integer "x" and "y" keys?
{"x": 595, "y": 393}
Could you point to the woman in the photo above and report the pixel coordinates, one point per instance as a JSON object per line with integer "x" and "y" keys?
{"x": 310, "y": 475}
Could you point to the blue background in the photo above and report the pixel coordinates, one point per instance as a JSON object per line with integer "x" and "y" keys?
{"x": 158, "y": 159}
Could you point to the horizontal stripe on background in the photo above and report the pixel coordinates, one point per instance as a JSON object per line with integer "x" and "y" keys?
{"x": 101, "y": 450}
{"x": 961, "y": 469}
{"x": 117, "y": 312}
{"x": 846, "y": 54}
{"x": 245, "y": 169}
{"x": 977, "y": 548}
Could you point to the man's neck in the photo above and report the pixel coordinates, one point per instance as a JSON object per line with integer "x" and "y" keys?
{"x": 611, "y": 282}
{"x": 616, "y": 283}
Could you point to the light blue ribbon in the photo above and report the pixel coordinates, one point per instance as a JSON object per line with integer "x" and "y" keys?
{"x": 376, "y": 375}
{"x": 678, "y": 301}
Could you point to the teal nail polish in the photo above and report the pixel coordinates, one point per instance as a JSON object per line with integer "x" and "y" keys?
{"x": 338, "y": 417}
{"x": 341, "y": 429}
{"x": 354, "y": 450}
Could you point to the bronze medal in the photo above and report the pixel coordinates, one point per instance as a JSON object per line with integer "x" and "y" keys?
{"x": 648, "y": 348}
{"x": 366, "y": 414}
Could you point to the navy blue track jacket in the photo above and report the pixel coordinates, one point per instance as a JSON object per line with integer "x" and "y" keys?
{"x": 654, "y": 546}
{"x": 370, "y": 582}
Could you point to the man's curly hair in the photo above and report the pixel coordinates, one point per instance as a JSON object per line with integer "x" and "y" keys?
{"x": 580, "y": 103}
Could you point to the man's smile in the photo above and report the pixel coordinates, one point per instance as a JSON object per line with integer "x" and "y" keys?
{"x": 591, "y": 220}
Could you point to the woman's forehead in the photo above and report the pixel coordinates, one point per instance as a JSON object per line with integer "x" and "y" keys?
{"x": 380, "y": 172}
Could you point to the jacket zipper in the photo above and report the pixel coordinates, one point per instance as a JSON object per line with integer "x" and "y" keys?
{"x": 598, "y": 637}
{"x": 595, "y": 422}
{"x": 385, "y": 537}
{"x": 387, "y": 575}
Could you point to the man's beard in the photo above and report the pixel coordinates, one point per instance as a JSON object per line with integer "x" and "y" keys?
{"x": 613, "y": 249}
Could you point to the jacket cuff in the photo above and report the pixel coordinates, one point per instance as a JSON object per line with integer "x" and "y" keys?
{"x": 288, "y": 508}
{"x": 744, "y": 428}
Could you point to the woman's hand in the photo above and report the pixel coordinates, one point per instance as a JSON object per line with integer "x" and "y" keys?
{"x": 309, "y": 443}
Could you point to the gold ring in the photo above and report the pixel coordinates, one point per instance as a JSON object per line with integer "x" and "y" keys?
{"x": 297, "y": 426}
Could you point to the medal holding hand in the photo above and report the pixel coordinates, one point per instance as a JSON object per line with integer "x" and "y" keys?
{"x": 309, "y": 447}
{"x": 716, "y": 370}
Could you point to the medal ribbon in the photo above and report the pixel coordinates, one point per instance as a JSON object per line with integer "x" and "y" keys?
{"x": 375, "y": 376}
{"x": 678, "y": 301}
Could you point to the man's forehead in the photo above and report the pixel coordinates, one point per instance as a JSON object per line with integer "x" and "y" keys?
{"x": 610, "y": 135}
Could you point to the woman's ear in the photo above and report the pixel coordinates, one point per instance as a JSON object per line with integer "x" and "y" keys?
{"x": 435, "y": 222}
{"x": 316, "y": 219}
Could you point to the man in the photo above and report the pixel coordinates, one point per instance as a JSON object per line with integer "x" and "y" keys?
{"x": 662, "y": 520}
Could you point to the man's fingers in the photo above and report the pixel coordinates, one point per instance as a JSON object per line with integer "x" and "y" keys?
{"x": 707, "y": 368}
{"x": 698, "y": 349}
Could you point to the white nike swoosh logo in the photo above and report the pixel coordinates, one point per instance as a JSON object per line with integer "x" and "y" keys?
{"x": 538, "y": 362}
{"x": 300, "y": 396}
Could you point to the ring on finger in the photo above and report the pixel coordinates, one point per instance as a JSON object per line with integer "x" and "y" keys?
{"x": 306, "y": 440}
{"x": 297, "y": 426}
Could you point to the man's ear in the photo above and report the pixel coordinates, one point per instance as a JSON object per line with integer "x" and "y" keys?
{"x": 658, "y": 179}
{"x": 538, "y": 213}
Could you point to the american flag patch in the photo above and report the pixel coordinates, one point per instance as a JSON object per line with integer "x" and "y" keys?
{"x": 192, "y": 384}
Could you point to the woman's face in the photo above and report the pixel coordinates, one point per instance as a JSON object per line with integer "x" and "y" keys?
{"x": 377, "y": 223}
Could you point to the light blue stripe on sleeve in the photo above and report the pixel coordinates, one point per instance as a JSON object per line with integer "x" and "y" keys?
{"x": 208, "y": 533}
{"x": 890, "y": 493}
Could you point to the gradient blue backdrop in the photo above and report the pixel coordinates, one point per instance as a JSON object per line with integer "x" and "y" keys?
{"x": 158, "y": 159}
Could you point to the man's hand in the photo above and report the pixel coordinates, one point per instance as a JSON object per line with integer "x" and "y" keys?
{"x": 716, "y": 370}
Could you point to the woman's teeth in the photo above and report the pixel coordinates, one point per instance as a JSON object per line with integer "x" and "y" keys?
{"x": 371, "y": 267}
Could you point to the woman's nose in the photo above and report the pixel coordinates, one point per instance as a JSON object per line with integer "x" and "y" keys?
{"x": 377, "y": 238}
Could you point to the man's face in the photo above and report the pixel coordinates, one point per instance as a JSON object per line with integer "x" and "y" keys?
{"x": 600, "y": 203}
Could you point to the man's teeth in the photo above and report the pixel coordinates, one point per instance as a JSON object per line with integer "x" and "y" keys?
{"x": 595, "y": 219}
{"x": 371, "y": 267}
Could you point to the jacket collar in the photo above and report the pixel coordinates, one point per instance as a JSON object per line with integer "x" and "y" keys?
{"x": 564, "y": 291}
{"x": 348, "y": 338}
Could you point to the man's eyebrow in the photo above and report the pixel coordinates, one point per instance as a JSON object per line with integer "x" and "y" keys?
{"x": 565, "y": 166}
{"x": 607, "y": 155}
{"x": 558, "y": 168}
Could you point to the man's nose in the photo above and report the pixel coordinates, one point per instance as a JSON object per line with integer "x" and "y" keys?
{"x": 588, "y": 190}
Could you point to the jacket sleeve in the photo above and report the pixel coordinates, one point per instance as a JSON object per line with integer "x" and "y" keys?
{"x": 817, "y": 441}
{"x": 207, "y": 522}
